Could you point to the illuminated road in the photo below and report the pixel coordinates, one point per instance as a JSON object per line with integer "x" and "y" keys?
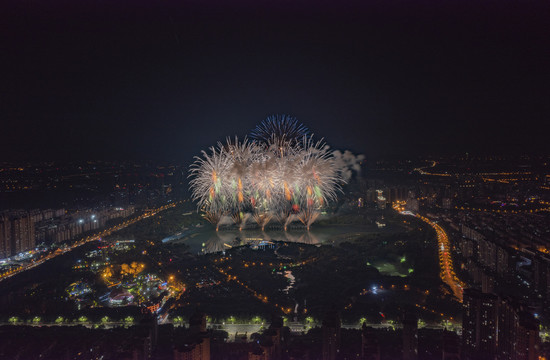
{"x": 86, "y": 240}
{"x": 229, "y": 277}
{"x": 232, "y": 329}
{"x": 422, "y": 171}
{"x": 447, "y": 273}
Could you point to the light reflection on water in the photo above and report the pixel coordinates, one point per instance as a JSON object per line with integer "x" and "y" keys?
{"x": 210, "y": 241}
{"x": 223, "y": 240}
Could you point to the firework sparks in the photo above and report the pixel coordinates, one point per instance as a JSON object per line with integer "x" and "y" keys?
{"x": 282, "y": 174}
{"x": 279, "y": 129}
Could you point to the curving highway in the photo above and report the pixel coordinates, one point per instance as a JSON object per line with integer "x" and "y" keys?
{"x": 447, "y": 273}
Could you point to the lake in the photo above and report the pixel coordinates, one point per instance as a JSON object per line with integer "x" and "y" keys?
{"x": 207, "y": 240}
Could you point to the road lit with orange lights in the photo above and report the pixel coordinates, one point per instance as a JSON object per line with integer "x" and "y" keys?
{"x": 86, "y": 240}
{"x": 447, "y": 273}
{"x": 256, "y": 294}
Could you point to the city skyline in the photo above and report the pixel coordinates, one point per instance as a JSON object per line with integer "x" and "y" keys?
{"x": 275, "y": 180}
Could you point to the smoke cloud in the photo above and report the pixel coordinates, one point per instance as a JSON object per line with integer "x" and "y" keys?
{"x": 347, "y": 163}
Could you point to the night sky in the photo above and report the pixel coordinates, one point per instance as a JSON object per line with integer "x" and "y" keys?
{"x": 94, "y": 80}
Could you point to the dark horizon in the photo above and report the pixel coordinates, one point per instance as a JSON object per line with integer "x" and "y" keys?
{"x": 138, "y": 81}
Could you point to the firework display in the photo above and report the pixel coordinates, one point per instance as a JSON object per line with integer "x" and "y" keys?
{"x": 281, "y": 176}
{"x": 279, "y": 129}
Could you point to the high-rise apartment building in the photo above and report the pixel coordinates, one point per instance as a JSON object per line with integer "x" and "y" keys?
{"x": 410, "y": 337}
{"x": 5, "y": 237}
{"x": 22, "y": 233}
{"x": 16, "y": 233}
{"x": 370, "y": 347}
{"x": 331, "y": 335}
{"x": 479, "y": 325}
{"x": 494, "y": 328}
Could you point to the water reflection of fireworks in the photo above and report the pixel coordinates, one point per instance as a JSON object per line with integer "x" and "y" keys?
{"x": 224, "y": 240}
